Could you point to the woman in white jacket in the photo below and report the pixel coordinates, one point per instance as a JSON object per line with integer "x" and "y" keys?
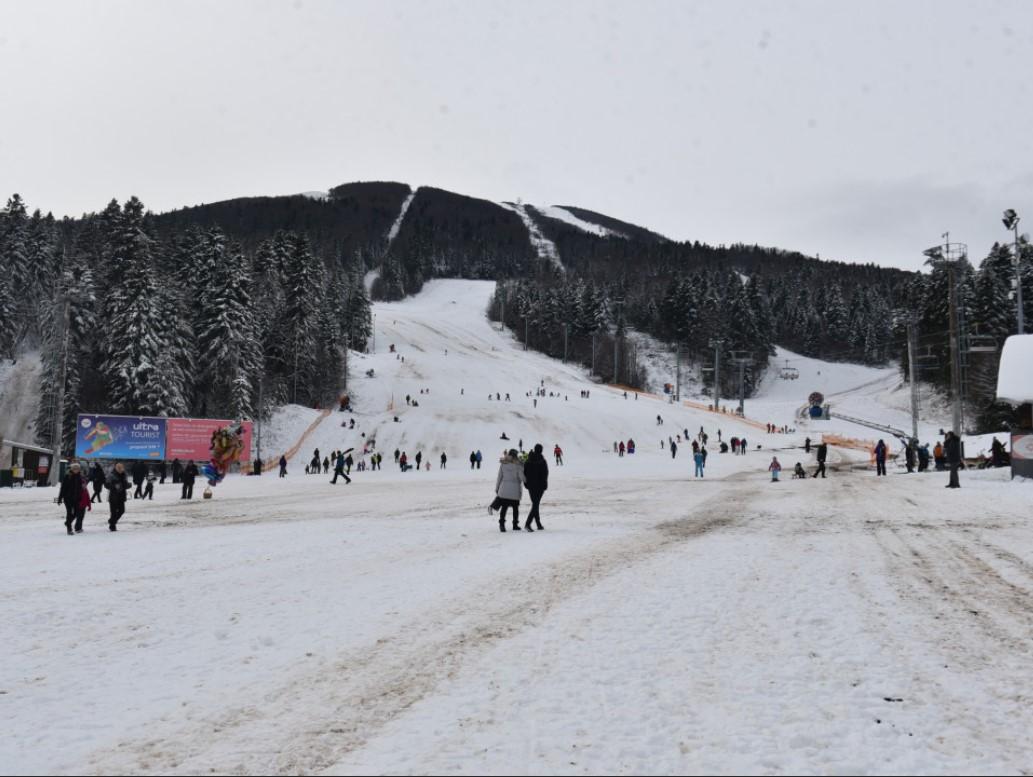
{"x": 508, "y": 489}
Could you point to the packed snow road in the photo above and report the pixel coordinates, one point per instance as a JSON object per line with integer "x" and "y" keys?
{"x": 851, "y": 624}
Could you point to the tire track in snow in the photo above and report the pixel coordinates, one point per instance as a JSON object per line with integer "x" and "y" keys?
{"x": 316, "y": 718}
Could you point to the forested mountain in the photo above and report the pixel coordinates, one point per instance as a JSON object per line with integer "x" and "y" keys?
{"x": 205, "y": 309}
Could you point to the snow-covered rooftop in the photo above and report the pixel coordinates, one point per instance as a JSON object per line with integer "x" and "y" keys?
{"x": 1015, "y": 376}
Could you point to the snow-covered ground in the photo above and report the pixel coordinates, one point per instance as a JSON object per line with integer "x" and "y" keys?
{"x": 562, "y": 214}
{"x": 660, "y": 624}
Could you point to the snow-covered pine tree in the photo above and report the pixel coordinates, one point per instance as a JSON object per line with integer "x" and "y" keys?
{"x": 229, "y": 355}
{"x": 134, "y": 327}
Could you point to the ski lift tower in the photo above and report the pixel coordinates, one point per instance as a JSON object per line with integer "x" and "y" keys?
{"x": 951, "y": 256}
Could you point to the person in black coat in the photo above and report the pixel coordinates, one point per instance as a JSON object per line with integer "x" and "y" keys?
{"x": 139, "y": 475}
{"x": 97, "y": 478}
{"x": 163, "y": 471}
{"x": 283, "y": 466}
{"x": 952, "y": 450}
{"x": 177, "y": 470}
{"x": 822, "y": 452}
{"x": 73, "y": 486}
{"x": 190, "y": 473}
{"x": 118, "y": 490}
{"x": 536, "y": 478}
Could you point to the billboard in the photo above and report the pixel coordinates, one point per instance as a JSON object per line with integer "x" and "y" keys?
{"x": 119, "y": 437}
{"x": 191, "y": 438}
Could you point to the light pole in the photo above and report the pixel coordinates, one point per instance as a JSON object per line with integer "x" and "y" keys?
{"x": 1011, "y": 221}
{"x": 950, "y": 256}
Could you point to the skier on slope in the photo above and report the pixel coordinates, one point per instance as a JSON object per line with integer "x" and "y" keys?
{"x": 558, "y": 453}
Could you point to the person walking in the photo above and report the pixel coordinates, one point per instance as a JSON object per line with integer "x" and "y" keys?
{"x": 473, "y": 459}
{"x": 118, "y": 490}
{"x": 419, "y": 458}
{"x": 162, "y": 472}
{"x": 479, "y": 459}
{"x": 620, "y": 450}
{"x": 283, "y": 466}
{"x": 339, "y": 472}
{"x": 774, "y": 468}
{"x": 508, "y": 489}
{"x": 674, "y": 449}
{"x": 190, "y": 473}
{"x": 536, "y": 478}
{"x": 822, "y": 451}
{"x": 880, "y": 458}
{"x": 952, "y": 452}
{"x": 938, "y": 457}
{"x": 148, "y": 489}
{"x": 177, "y": 470}
{"x": 700, "y": 459}
{"x": 807, "y": 445}
{"x": 139, "y": 475}
{"x": 742, "y": 446}
{"x": 558, "y": 453}
{"x": 75, "y": 496}
{"x": 909, "y": 455}
{"x": 444, "y": 460}
{"x": 97, "y": 478}
{"x": 326, "y": 464}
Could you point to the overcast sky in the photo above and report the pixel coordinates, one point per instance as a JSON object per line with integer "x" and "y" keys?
{"x": 860, "y": 131}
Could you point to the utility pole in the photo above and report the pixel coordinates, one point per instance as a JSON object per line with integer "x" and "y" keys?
{"x": 59, "y": 399}
{"x": 716, "y": 345}
{"x": 742, "y": 358}
{"x": 258, "y": 416}
{"x": 593, "y": 353}
{"x": 374, "y": 333}
{"x": 1011, "y": 221}
{"x": 616, "y": 337}
{"x": 295, "y": 400}
{"x": 525, "y": 331}
{"x": 949, "y": 256}
{"x": 345, "y": 376}
{"x": 677, "y": 372}
{"x": 566, "y": 332}
{"x": 502, "y": 315}
{"x": 912, "y": 354}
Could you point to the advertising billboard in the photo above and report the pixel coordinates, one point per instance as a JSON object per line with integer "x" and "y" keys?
{"x": 1022, "y": 454}
{"x": 119, "y": 437}
{"x": 191, "y": 438}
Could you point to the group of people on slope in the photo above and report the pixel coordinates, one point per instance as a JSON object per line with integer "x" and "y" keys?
{"x": 513, "y": 477}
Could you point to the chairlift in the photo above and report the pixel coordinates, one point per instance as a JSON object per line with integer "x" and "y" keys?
{"x": 982, "y": 344}
{"x": 788, "y": 373}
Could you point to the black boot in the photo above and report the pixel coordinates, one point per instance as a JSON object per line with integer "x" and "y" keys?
{"x": 540, "y": 527}
{"x": 70, "y": 532}
{"x": 516, "y": 526}
{"x": 527, "y": 526}
{"x": 502, "y": 526}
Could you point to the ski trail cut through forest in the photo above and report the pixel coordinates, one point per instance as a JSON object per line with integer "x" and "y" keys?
{"x": 319, "y": 716}
{"x": 397, "y": 225}
{"x": 544, "y": 247}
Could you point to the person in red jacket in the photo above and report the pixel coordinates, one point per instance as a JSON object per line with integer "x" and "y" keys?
{"x": 558, "y": 453}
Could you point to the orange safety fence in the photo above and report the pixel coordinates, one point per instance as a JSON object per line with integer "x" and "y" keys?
{"x": 695, "y": 405}
{"x": 269, "y": 464}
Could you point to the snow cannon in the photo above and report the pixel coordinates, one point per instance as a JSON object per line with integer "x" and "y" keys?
{"x": 816, "y": 400}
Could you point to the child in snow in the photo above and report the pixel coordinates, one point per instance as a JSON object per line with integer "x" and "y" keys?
{"x": 774, "y": 468}
{"x": 798, "y": 473}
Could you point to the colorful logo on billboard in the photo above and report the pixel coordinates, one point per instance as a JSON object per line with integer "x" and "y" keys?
{"x": 1022, "y": 446}
{"x": 119, "y": 437}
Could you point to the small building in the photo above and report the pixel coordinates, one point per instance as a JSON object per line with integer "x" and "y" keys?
{"x": 1015, "y": 386}
{"x": 24, "y": 464}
